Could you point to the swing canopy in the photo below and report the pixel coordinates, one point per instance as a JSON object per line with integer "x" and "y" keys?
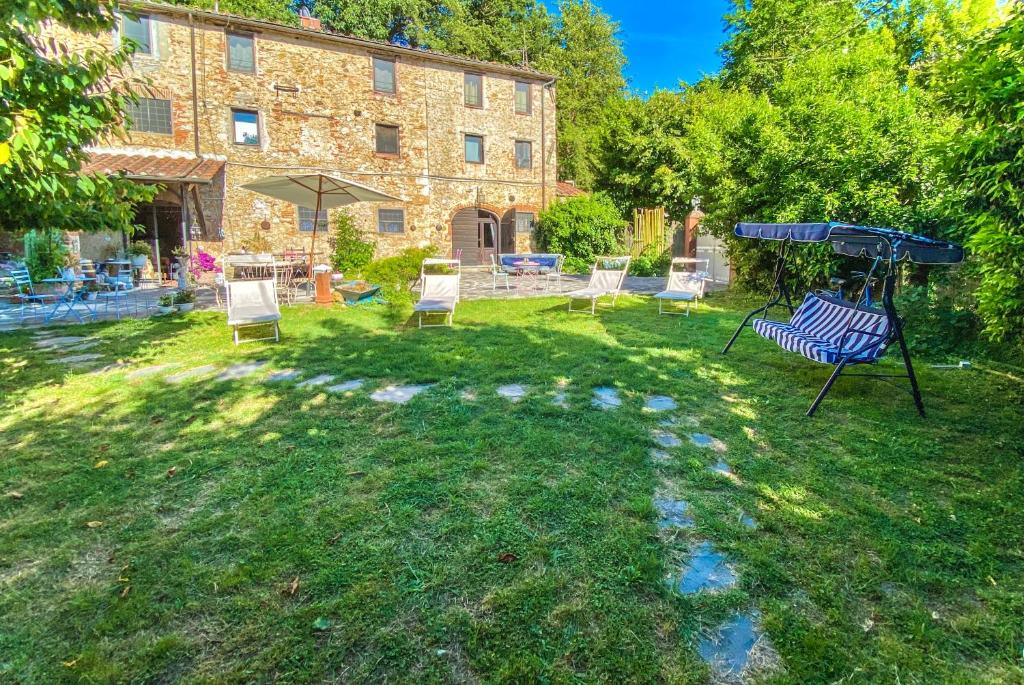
{"x": 860, "y": 241}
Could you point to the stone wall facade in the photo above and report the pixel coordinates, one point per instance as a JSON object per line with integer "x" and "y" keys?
{"x": 317, "y": 113}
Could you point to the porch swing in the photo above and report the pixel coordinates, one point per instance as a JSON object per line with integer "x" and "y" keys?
{"x": 826, "y": 327}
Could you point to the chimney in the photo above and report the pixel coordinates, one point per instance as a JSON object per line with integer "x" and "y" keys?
{"x": 307, "y": 20}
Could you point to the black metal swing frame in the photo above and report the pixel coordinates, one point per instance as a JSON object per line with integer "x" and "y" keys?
{"x": 887, "y": 247}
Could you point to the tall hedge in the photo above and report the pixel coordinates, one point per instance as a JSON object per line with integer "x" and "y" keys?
{"x": 581, "y": 228}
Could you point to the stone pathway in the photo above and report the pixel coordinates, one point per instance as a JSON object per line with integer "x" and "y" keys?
{"x": 708, "y": 570}
{"x": 283, "y": 375}
{"x": 673, "y": 513}
{"x": 660, "y": 403}
{"x": 194, "y": 372}
{"x": 241, "y": 370}
{"x": 149, "y": 371}
{"x": 732, "y": 647}
{"x": 704, "y": 440}
{"x": 347, "y": 387}
{"x": 76, "y": 359}
{"x": 606, "y": 398}
{"x": 665, "y": 439}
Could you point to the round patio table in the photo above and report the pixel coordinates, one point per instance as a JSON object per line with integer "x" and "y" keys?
{"x": 526, "y": 269}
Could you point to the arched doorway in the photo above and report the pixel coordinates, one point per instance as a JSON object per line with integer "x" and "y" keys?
{"x": 477, "y": 233}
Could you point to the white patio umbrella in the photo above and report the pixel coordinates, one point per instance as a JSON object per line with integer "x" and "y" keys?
{"x": 319, "y": 190}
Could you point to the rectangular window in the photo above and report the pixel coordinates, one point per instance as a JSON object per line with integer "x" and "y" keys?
{"x": 241, "y": 52}
{"x": 387, "y": 140}
{"x": 474, "y": 149}
{"x": 306, "y": 219}
{"x": 524, "y": 154}
{"x": 137, "y": 29}
{"x": 524, "y": 222}
{"x": 524, "y": 103}
{"x": 384, "y": 75}
{"x": 474, "y": 88}
{"x": 150, "y": 115}
{"x": 391, "y": 221}
{"x": 246, "y": 124}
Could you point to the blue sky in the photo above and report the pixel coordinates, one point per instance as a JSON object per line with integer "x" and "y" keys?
{"x": 668, "y": 41}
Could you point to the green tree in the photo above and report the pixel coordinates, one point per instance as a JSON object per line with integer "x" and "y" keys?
{"x": 588, "y": 61}
{"x": 987, "y": 86}
{"x": 53, "y": 104}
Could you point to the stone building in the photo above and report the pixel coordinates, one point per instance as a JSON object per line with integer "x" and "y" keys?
{"x": 468, "y": 146}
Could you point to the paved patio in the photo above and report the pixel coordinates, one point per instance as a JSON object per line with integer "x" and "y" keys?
{"x": 476, "y": 285}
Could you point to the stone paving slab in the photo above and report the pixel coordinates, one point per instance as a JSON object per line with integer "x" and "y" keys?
{"x": 316, "y": 381}
{"x": 727, "y": 650}
{"x": 63, "y": 341}
{"x": 241, "y": 370}
{"x": 705, "y": 440}
{"x": 708, "y": 570}
{"x": 660, "y": 456}
{"x": 673, "y": 513}
{"x": 660, "y": 403}
{"x": 560, "y": 399}
{"x": 76, "y": 359}
{"x": 398, "y": 394}
{"x": 722, "y": 468}
{"x": 665, "y": 439}
{"x": 606, "y": 398}
{"x": 194, "y": 372}
{"x": 347, "y": 386}
{"x": 513, "y": 392}
{"x": 150, "y": 371}
{"x": 283, "y": 375}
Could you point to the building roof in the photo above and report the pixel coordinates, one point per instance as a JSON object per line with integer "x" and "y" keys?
{"x": 142, "y": 166}
{"x": 323, "y": 34}
{"x": 568, "y": 189}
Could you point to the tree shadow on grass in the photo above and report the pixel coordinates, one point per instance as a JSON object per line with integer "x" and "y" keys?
{"x": 443, "y": 537}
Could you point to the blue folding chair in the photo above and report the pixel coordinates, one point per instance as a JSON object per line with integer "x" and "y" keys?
{"x": 32, "y": 304}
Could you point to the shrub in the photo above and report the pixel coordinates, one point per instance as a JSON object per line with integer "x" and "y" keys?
{"x": 185, "y": 296}
{"x": 653, "y": 261}
{"x": 581, "y": 228}
{"x": 396, "y": 274}
{"x": 351, "y": 252}
{"x": 45, "y": 254}
{"x": 140, "y": 249}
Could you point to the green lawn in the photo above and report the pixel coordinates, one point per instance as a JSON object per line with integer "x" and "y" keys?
{"x": 462, "y": 540}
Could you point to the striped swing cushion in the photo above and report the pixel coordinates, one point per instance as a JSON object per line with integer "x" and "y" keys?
{"x": 817, "y": 327}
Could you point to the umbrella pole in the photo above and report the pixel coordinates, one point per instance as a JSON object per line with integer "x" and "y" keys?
{"x": 316, "y": 222}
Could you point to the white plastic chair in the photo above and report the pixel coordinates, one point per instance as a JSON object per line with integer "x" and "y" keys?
{"x": 606, "y": 279}
{"x": 682, "y": 286}
{"x": 253, "y": 303}
{"x": 496, "y": 273}
{"x": 439, "y": 292}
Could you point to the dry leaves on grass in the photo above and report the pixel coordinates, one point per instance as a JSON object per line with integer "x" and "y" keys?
{"x": 93, "y": 524}
{"x": 100, "y": 464}
{"x": 292, "y": 588}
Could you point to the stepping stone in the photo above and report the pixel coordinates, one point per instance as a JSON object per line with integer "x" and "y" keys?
{"x": 81, "y": 346}
{"x": 708, "y": 570}
{"x": 242, "y": 370}
{"x": 660, "y": 456}
{"x": 673, "y": 513}
{"x": 727, "y": 650}
{"x": 606, "y": 398}
{"x": 347, "y": 386}
{"x": 283, "y": 375}
{"x": 704, "y": 440}
{"x": 149, "y": 370}
{"x": 191, "y": 373}
{"x": 561, "y": 399}
{"x": 316, "y": 381}
{"x": 665, "y": 439}
{"x": 722, "y": 469}
{"x": 76, "y": 359}
{"x": 116, "y": 366}
{"x": 398, "y": 394}
{"x": 747, "y": 521}
{"x": 660, "y": 403}
{"x": 513, "y": 392}
{"x": 49, "y": 343}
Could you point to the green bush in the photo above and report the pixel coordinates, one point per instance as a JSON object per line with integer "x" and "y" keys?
{"x": 581, "y": 228}
{"x": 45, "y": 254}
{"x": 351, "y": 252}
{"x": 396, "y": 274}
{"x": 653, "y": 261}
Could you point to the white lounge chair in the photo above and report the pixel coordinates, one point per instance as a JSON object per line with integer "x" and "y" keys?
{"x": 439, "y": 291}
{"x": 253, "y": 303}
{"x": 682, "y": 286}
{"x": 605, "y": 280}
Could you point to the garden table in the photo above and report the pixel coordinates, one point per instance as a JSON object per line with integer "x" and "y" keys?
{"x": 75, "y": 295}
{"x": 527, "y": 269}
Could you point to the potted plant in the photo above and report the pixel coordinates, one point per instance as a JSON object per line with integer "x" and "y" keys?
{"x": 92, "y": 291}
{"x": 138, "y": 253}
{"x": 165, "y": 305}
{"x": 185, "y": 300}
